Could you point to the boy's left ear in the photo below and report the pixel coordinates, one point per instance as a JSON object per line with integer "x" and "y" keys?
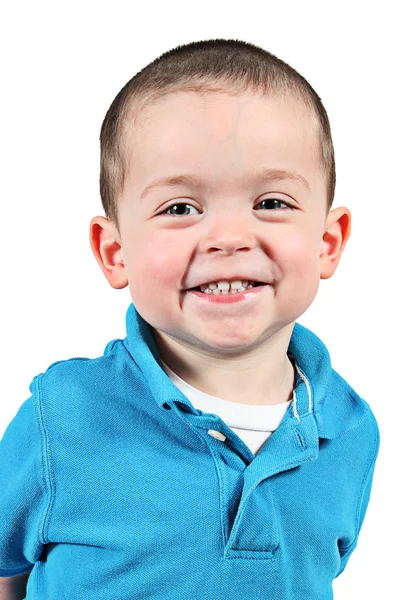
{"x": 336, "y": 234}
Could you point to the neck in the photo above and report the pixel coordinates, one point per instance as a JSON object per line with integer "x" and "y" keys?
{"x": 263, "y": 377}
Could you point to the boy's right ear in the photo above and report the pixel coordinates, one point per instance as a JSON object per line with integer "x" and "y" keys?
{"x": 107, "y": 248}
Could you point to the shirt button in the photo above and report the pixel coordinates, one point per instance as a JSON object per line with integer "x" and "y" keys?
{"x": 217, "y": 434}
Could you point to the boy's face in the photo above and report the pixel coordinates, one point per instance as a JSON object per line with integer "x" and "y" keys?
{"x": 225, "y": 231}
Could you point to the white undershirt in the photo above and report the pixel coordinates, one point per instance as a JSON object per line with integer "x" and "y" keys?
{"x": 254, "y": 424}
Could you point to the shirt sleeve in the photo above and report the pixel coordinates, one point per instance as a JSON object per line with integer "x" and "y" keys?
{"x": 23, "y": 489}
{"x": 364, "y": 499}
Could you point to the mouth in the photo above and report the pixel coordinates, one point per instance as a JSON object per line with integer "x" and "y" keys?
{"x": 208, "y": 288}
{"x": 249, "y": 292}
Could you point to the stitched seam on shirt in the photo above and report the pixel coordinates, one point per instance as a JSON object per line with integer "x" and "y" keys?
{"x": 220, "y": 481}
{"x": 366, "y": 478}
{"x": 269, "y": 556}
{"x": 275, "y": 519}
{"x": 285, "y": 467}
{"x": 300, "y": 438}
{"x": 46, "y": 461}
{"x": 363, "y": 488}
{"x": 221, "y": 496}
{"x": 357, "y": 424}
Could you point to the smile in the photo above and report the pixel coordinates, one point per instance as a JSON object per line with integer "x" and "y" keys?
{"x": 229, "y": 297}
{"x": 226, "y": 287}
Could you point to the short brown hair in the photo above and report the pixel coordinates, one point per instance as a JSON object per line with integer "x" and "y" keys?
{"x": 207, "y": 66}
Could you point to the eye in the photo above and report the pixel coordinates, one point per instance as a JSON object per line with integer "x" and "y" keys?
{"x": 183, "y": 208}
{"x": 180, "y": 208}
{"x": 273, "y": 203}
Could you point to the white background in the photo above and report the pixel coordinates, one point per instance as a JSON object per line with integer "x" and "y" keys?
{"x": 62, "y": 63}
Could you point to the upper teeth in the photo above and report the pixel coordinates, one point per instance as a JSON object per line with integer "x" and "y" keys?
{"x": 226, "y": 286}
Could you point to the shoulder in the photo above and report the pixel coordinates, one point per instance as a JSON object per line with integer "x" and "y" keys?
{"x": 80, "y": 399}
{"x": 344, "y": 415}
{"x": 81, "y": 369}
{"x": 66, "y": 384}
{"x": 353, "y": 410}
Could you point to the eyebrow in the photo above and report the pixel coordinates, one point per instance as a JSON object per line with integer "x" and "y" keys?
{"x": 195, "y": 181}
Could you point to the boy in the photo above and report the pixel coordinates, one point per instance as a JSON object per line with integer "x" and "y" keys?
{"x": 214, "y": 452}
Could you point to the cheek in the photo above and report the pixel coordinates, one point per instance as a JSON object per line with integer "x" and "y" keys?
{"x": 298, "y": 259}
{"x": 298, "y": 246}
{"x": 157, "y": 266}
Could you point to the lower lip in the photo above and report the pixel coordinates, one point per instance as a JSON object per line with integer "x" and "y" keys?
{"x": 228, "y": 298}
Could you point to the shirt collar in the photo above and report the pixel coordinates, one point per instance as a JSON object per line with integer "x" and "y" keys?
{"x": 319, "y": 389}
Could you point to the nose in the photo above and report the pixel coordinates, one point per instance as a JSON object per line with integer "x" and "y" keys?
{"x": 228, "y": 234}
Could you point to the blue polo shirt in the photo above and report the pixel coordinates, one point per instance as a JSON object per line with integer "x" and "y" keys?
{"x": 114, "y": 486}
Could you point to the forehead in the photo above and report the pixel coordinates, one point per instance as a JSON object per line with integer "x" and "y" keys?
{"x": 222, "y": 136}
